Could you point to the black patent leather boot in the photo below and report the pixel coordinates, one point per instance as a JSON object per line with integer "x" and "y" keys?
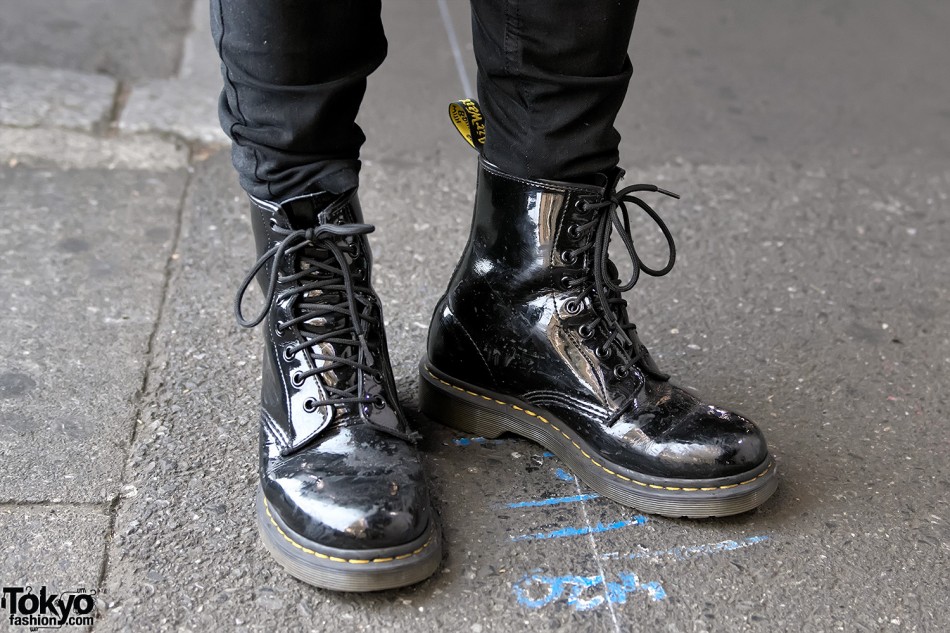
{"x": 343, "y": 502}
{"x": 532, "y": 337}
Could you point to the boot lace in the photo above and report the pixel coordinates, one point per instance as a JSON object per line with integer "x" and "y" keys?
{"x": 608, "y": 215}
{"x": 328, "y": 305}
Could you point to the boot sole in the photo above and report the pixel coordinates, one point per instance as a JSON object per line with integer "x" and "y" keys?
{"x": 347, "y": 569}
{"x": 485, "y": 414}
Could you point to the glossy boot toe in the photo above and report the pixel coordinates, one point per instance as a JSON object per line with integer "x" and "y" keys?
{"x": 342, "y": 496}
{"x": 683, "y": 437}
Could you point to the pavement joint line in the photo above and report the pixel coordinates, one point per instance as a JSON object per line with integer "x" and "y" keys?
{"x": 71, "y": 149}
{"x": 50, "y": 504}
{"x": 119, "y": 99}
{"x": 179, "y": 61}
{"x": 143, "y": 391}
{"x": 596, "y": 558}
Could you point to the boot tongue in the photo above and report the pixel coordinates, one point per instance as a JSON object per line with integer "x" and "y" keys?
{"x": 607, "y": 181}
{"x": 322, "y": 208}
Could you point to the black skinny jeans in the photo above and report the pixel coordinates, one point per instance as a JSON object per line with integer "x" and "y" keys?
{"x": 552, "y": 75}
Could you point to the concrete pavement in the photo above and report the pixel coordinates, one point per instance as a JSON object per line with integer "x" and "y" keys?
{"x": 811, "y": 145}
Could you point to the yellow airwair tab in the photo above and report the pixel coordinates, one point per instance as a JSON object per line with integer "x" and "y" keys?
{"x": 469, "y": 121}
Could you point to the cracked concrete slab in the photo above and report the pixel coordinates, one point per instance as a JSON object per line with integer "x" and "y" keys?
{"x": 35, "y": 96}
{"x": 186, "y": 105}
{"x": 83, "y": 257}
{"x": 43, "y": 147}
{"x": 60, "y": 547}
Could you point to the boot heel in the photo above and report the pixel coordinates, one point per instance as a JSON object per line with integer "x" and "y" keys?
{"x": 437, "y": 403}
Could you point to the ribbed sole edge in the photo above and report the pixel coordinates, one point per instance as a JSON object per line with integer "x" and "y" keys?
{"x": 348, "y": 570}
{"x": 462, "y": 407}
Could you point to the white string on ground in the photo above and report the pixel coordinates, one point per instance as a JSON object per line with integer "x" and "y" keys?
{"x": 456, "y": 51}
{"x": 600, "y": 567}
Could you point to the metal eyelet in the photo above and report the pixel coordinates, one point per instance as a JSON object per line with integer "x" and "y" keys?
{"x": 621, "y": 372}
{"x": 580, "y": 204}
{"x": 296, "y": 379}
{"x": 273, "y": 223}
{"x": 568, "y": 257}
{"x": 379, "y": 402}
{"x": 602, "y": 353}
{"x": 288, "y": 355}
{"x": 586, "y": 331}
{"x": 565, "y": 282}
{"x": 574, "y": 231}
{"x": 572, "y": 306}
{"x": 310, "y": 405}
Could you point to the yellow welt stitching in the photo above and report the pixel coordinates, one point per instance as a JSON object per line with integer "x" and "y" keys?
{"x": 354, "y": 561}
{"x": 595, "y": 462}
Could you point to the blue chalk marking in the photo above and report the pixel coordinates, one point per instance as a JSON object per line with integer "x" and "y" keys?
{"x": 684, "y": 552}
{"x": 582, "y": 593}
{"x": 547, "y": 454}
{"x": 655, "y": 590}
{"x": 467, "y": 441}
{"x": 553, "y": 501}
{"x": 561, "y": 474}
{"x": 571, "y": 531}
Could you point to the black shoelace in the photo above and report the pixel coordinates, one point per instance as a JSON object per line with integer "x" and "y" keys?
{"x": 328, "y": 307}
{"x": 610, "y": 214}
